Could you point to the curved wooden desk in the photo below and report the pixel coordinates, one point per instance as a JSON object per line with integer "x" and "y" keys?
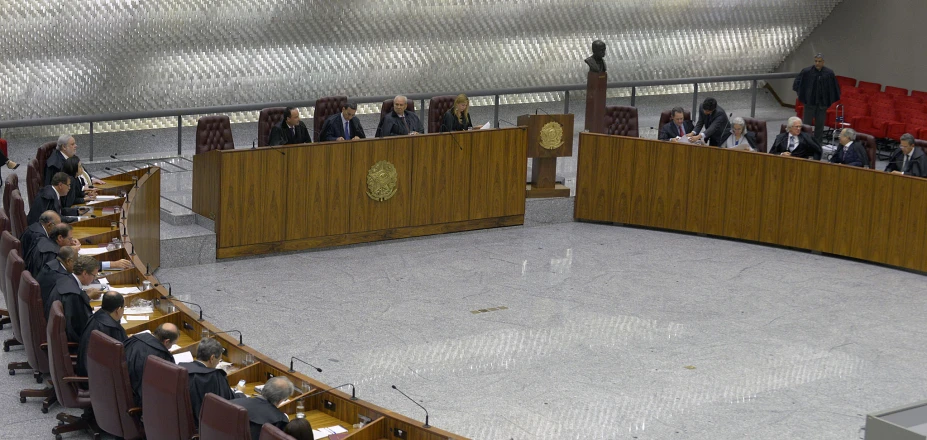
{"x": 142, "y": 220}
{"x": 835, "y": 209}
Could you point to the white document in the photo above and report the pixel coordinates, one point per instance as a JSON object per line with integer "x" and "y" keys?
{"x": 325, "y": 432}
{"x": 123, "y": 320}
{"x": 136, "y": 317}
{"x": 142, "y": 332}
{"x": 127, "y": 290}
{"x": 103, "y": 281}
{"x": 224, "y": 366}
{"x": 486, "y": 125}
{"x": 92, "y": 251}
{"x": 174, "y": 348}
{"x": 102, "y": 198}
{"x": 138, "y": 310}
{"x": 183, "y": 357}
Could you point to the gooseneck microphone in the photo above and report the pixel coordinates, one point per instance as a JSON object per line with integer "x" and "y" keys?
{"x": 113, "y": 156}
{"x": 451, "y": 133}
{"x": 169, "y": 290}
{"x": 353, "y": 389}
{"x": 294, "y": 358}
{"x": 240, "y": 341}
{"x": 426, "y": 425}
{"x": 192, "y": 304}
{"x": 540, "y": 109}
{"x": 507, "y": 122}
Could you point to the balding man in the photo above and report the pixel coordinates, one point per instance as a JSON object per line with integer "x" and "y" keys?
{"x": 399, "y": 122}
{"x": 39, "y": 229}
{"x": 106, "y": 320}
{"x": 290, "y": 130}
{"x": 142, "y": 345}
{"x": 795, "y": 142}
{"x": 263, "y": 409}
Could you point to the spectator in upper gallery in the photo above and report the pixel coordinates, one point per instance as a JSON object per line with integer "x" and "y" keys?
{"x": 817, "y": 89}
{"x": 290, "y": 131}
{"x": 457, "y": 118}
{"x": 795, "y": 142}
{"x": 343, "y": 126}
{"x": 738, "y": 138}
{"x": 908, "y": 160}
{"x": 399, "y": 122}
{"x": 850, "y": 151}
{"x": 677, "y": 127}
{"x": 711, "y": 124}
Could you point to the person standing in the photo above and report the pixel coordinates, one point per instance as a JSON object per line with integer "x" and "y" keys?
{"x": 817, "y": 89}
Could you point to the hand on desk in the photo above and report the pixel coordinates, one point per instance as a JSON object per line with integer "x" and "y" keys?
{"x": 97, "y": 181}
{"x": 95, "y": 293}
{"x": 786, "y": 154}
{"x": 695, "y": 137}
{"x": 120, "y": 264}
{"x": 414, "y": 132}
{"x": 897, "y": 172}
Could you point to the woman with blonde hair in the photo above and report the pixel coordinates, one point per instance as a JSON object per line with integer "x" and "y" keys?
{"x": 458, "y": 117}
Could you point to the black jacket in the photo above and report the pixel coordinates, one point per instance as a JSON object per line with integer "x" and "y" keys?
{"x": 76, "y": 305}
{"x": 138, "y": 348}
{"x": 53, "y": 165}
{"x": 449, "y": 122}
{"x": 260, "y": 411}
{"x": 855, "y": 155}
{"x": 48, "y": 200}
{"x": 45, "y": 250}
{"x": 393, "y": 125}
{"x": 280, "y": 134}
{"x": 203, "y": 380}
{"x": 47, "y": 278}
{"x": 807, "y": 147}
{"x": 917, "y": 166}
{"x": 31, "y": 236}
{"x": 748, "y": 135}
{"x": 75, "y": 195}
{"x": 102, "y": 321}
{"x": 804, "y": 86}
{"x": 332, "y": 129}
{"x": 670, "y": 131}
{"x": 715, "y": 125}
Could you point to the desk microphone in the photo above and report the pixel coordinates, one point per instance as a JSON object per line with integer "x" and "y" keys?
{"x": 192, "y": 304}
{"x": 254, "y": 143}
{"x": 274, "y": 147}
{"x": 294, "y": 358}
{"x": 114, "y": 224}
{"x": 114, "y": 169}
{"x": 426, "y": 425}
{"x": 113, "y": 156}
{"x": 240, "y": 342}
{"x": 451, "y": 132}
{"x": 507, "y": 122}
{"x": 170, "y": 293}
{"x": 545, "y": 112}
{"x": 353, "y": 396}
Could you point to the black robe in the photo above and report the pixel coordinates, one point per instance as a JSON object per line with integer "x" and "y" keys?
{"x": 53, "y": 165}
{"x": 47, "y": 277}
{"x": 260, "y": 411}
{"x": 138, "y": 348}
{"x": 76, "y": 305}
{"x": 31, "y": 236}
{"x": 75, "y": 195}
{"x": 205, "y": 380}
{"x": 45, "y": 250}
{"x": 48, "y": 200}
{"x": 102, "y": 321}
{"x": 449, "y": 122}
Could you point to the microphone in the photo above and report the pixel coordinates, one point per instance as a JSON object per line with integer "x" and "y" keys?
{"x": 113, "y": 224}
{"x": 507, "y": 122}
{"x": 240, "y": 342}
{"x": 192, "y": 304}
{"x": 254, "y": 143}
{"x": 170, "y": 293}
{"x": 113, "y": 156}
{"x": 451, "y": 133}
{"x": 294, "y": 358}
{"x": 426, "y": 425}
{"x": 728, "y": 127}
{"x": 545, "y": 112}
{"x": 353, "y": 389}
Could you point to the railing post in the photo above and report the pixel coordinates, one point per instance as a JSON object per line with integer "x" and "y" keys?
{"x": 91, "y": 141}
{"x": 179, "y": 134}
{"x": 566, "y": 102}
{"x": 695, "y": 102}
{"x": 495, "y": 115}
{"x": 422, "y": 114}
{"x": 633, "y": 95}
{"x": 753, "y": 103}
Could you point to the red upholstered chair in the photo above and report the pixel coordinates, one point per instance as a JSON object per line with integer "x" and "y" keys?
{"x": 110, "y": 389}
{"x": 896, "y": 91}
{"x": 33, "y": 180}
{"x": 32, "y": 320}
{"x": 387, "y": 107}
{"x": 166, "y": 398}
{"x": 921, "y": 143}
{"x": 869, "y": 87}
{"x": 63, "y": 378}
{"x": 223, "y": 420}
{"x": 325, "y": 107}
{"x": 4, "y": 226}
{"x": 667, "y": 115}
{"x": 919, "y": 94}
{"x": 18, "y": 222}
{"x": 846, "y": 82}
{"x": 41, "y": 158}
{"x": 10, "y": 183}
{"x": 758, "y": 128}
{"x": 799, "y": 108}
{"x": 437, "y": 107}
{"x": 12, "y": 269}
{"x": 923, "y": 134}
{"x": 271, "y": 432}
{"x": 869, "y": 142}
{"x": 621, "y": 120}
{"x": 214, "y": 133}
{"x": 266, "y": 120}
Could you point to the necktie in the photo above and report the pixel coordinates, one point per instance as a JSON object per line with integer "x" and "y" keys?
{"x": 406, "y": 123}
{"x": 293, "y": 132}
{"x": 347, "y": 129}
{"x": 904, "y": 164}
{"x": 680, "y": 131}
{"x": 792, "y": 143}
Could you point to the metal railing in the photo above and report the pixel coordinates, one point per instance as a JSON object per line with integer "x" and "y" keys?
{"x": 422, "y": 97}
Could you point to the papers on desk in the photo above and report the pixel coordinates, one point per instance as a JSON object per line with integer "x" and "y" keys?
{"x": 104, "y": 198}
{"x": 485, "y": 126}
{"x": 224, "y": 366}
{"x": 325, "y": 432}
{"x": 103, "y": 281}
{"x": 121, "y": 321}
{"x": 174, "y": 348}
{"x": 139, "y": 310}
{"x": 183, "y": 357}
{"x": 136, "y": 317}
{"x": 92, "y": 250}
{"x": 127, "y": 290}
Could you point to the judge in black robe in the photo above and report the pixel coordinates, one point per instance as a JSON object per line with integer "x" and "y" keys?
{"x": 44, "y": 251}
{"x": 54, "y": 270}
{"x": 142, "y": 345}
{"x": 39, "y": 229}
{"x": 205, "y": 378}
{"x": 264, "y": 409}
{"x": 76, "y": 305}
{"x": 49, "y": 199}
{"x": 106, "y": 320}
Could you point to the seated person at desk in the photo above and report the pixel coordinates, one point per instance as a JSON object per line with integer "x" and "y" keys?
{"x": 78, "y": 193}
{"x": 908, "y": 160}
{"x": 47, "y": 248}
{"x": 60, "y": 267}
{"x": 205, "y": 377}
{"x": 75, "y": 302}
{"x": 399, "y": 122}
{"x": 38, "y": 230}
{"x": 796, "y": 143}
{"x": 343, "y": 126}
{"x": 677, "y": 127}
{"x": 49, "y": 199}
{"x": 711, "y": 124}
{"x": 850, "y": 152}
{"x": 106, "y": 320}
{"x": 263, "y": 409}
{"x": 739, "y": 138}
{"x": 458, "y": 117}
{"x": 300, "y": 429}
{"x": 142, "y": 345}
{"x": 290, "y": 131}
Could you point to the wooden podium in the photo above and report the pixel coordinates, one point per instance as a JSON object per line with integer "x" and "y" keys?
{"x": 549, "y": 137}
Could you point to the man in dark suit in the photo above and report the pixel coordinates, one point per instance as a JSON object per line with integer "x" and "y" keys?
{"x": 343, "y": 125}
{"x": 142, "y": 345}
{"x": 106, "y": 320}
{"x": 49, "y": 199}
{"x": 263, "y": 409}
{"x": 817, "y": 89}
{"x": 53, "y": 270}
{"x": 850, "y": 152}
{"x": 908, "y": 160}
{"x": 39, "y": 229}
{"x": 399, "y": 122}
{"x": 47, "y": 248}
{"x": 712, "y": 124}
{"x": 66, "y": 148}
{"x": 205, "y": 378}
{"x": 74, "y": 300}
{"x": 677, "y": 127}
{"x": 290, "y": 131}
{"x": 795, "y": 142}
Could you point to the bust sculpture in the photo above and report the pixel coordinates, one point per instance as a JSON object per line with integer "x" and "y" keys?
{"x": 597, "y": 62}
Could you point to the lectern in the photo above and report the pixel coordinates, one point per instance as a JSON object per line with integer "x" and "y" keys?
{"x": 549, "y": 137}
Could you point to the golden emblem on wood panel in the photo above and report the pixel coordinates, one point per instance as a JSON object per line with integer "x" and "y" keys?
{"x": 551, "y": 136}
{"x": 381, "y": 181}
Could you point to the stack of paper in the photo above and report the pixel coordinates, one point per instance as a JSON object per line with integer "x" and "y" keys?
{"x": 325, "y": 432}
{"x": 183, "y": 357}
{"x": 92, "y": 250}
{"x": 102, "y": 198}
{"x": 127, "y": 290}
{"x": 139, "y": 310}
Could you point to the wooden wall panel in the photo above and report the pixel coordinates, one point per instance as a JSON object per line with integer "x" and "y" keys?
{"x": 664, "y": 162}
{"x": 881, "y": 225}
{"x": 206, "y": 184}
{"x": 846, "y": 205}
{"x": 809, "y": 178}
{"x": 498, "y": 167}
{"x": 677, "y": 200}
{"x": 899, "y": 208}
{"x": 318, "y": 201}
{"x": 143, "y": 222}
{"x": 736, "y": 195}
{"x": 596, "y": 179}
{"x": 371, "y": 215}
{"x": 771, "y": 199}
{"x": 826, "y": 222}
{"x": 254, "y": 184}
{"x": 789, "y": 223}
{"x": 915, "y": 223}
{"x": 716, "y": 190}
{"x": 440, "y": 179}
{"x": 623, "y": 182}
{"x": 696, "y": 211}
{"x": 641, "y": 180}
{"x": 860, "y": 231}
